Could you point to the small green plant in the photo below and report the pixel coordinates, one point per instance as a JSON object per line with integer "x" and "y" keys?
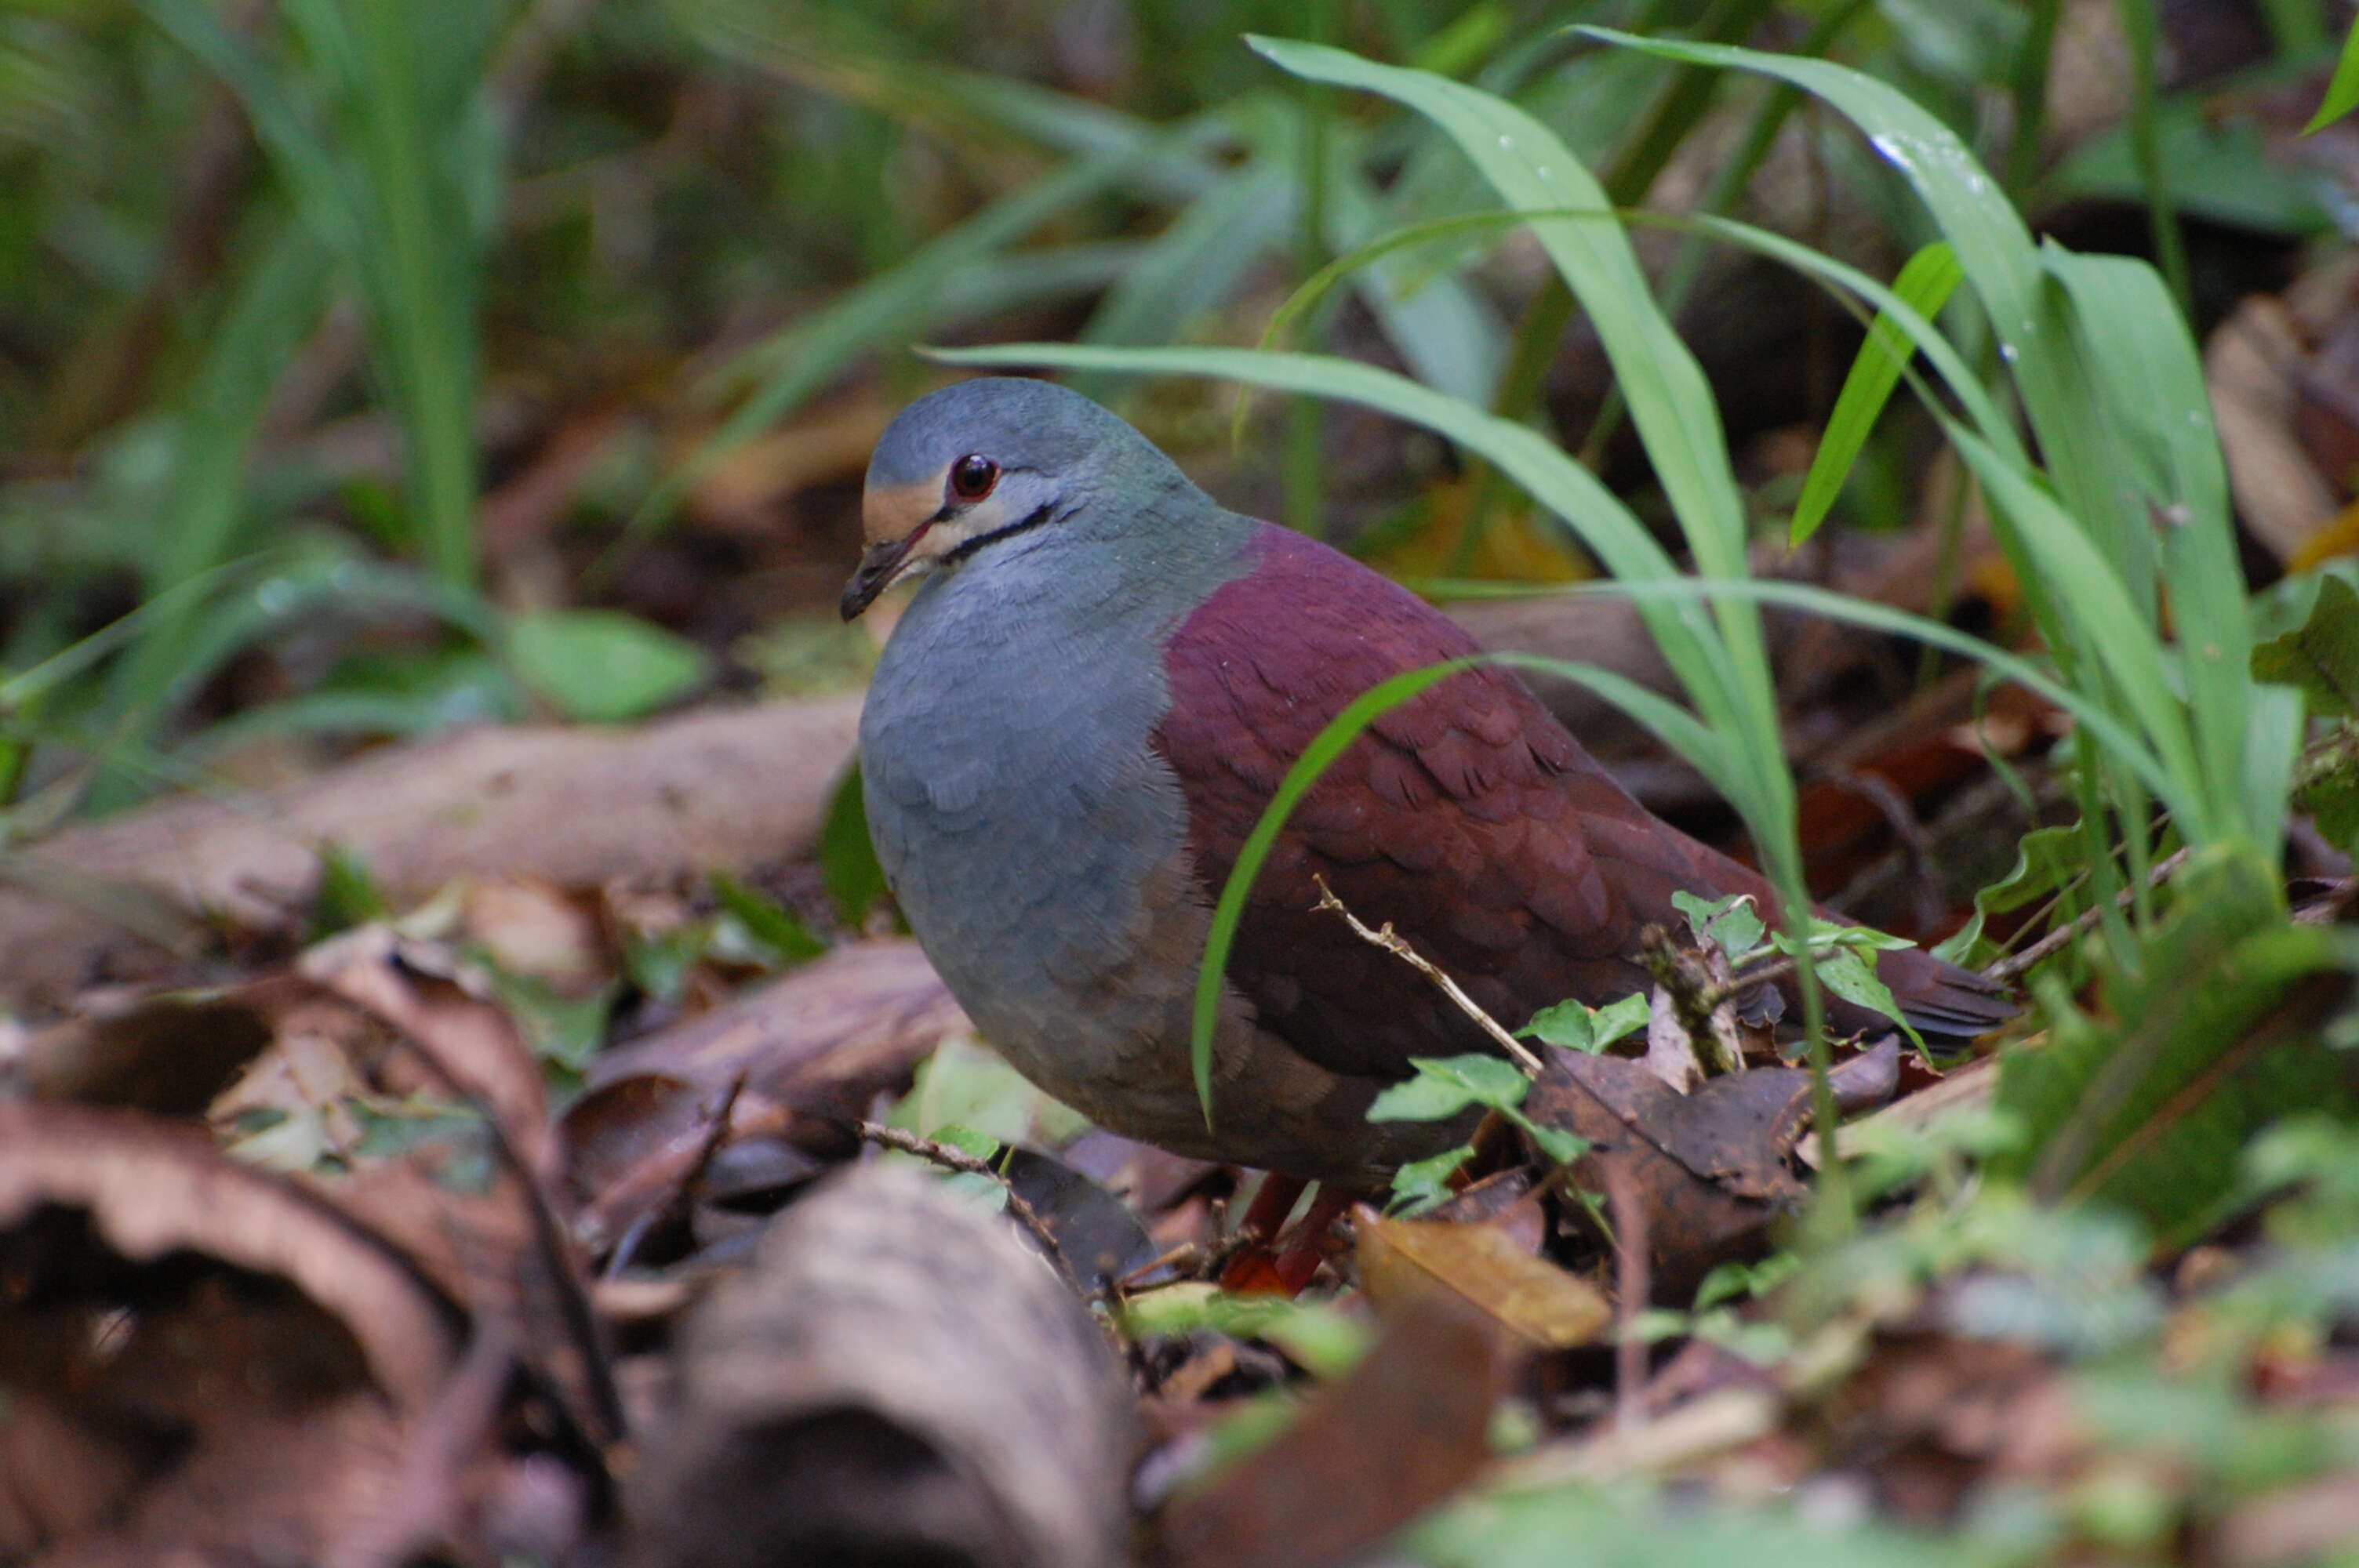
{"x": 1444, "y": 1088}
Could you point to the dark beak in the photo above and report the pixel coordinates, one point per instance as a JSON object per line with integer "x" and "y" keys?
{"x": 877, "y": 566}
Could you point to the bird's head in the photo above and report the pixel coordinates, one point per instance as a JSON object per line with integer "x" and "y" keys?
{"x": 982, "y": 463}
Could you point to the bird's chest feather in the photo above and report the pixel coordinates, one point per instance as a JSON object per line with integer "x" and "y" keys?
{"x": 1033, "y": 836}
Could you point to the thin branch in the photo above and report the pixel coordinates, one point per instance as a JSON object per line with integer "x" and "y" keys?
{"x": 1384, "y": 936}
{"x": 959, "y": 1160}
{"x": 2013, "y": 963}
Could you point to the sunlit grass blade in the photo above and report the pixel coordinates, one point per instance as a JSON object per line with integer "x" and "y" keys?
{"x": 1994, "y": 247}
{"x": 1925, "y": 283}
{"x": 1525, "y": 161}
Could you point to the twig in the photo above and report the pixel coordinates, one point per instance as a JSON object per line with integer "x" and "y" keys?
{"x": 1631, "y": 1289}
{"x": 959, "y": 1160}
{"x": 2013, "y": 963}
{"x": 567, "y": 1277}
{"x": 1384, "y": 936}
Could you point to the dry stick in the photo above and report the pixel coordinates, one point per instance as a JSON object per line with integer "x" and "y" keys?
{"x": 548, "y": 1237}
{"x": 1631, "y": 1288}
{"x": 2007, "y": 968}
{"x": 959, "y": 1160}
{"x": 1391, "y": 942}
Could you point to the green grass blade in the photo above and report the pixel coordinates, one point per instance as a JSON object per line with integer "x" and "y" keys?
{"x": 1994, "y": 247}
{"x": 1197, "y": 262}
{"x": 2100, "y": 722}
{"x": 2104, "y": 619}
{"x": 1229, "y": 912}
{"x": 278, "y": 303}
{"x": 1669, "y": 399}
{"x": 413, "y": 108}
{"x": 2343, "y": 91}
{"x": 2144, "y": 366}
{"x": 1446, "y": 332}
{"x": 2142, "y": 31}
{"x": 1925, "y": 283}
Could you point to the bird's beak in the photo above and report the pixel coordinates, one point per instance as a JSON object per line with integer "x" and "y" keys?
{"x": 894, "y": 517}
{"x": 880, "y": 565}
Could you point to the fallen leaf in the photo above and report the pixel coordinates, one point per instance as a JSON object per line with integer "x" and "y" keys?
{"x": 1484, "y": 1266}
{"x": 1709, "y": 1167}
{"x": 1408, "y": 1426}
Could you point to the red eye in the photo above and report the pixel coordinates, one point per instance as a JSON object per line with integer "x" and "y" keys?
{"x": 972, "y": 476}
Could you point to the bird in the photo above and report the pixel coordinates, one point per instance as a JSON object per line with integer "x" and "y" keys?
{"x": 1078, "y": 718}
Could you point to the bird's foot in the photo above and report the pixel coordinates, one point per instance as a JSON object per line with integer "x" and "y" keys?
{"x": 1283, "y": 1265}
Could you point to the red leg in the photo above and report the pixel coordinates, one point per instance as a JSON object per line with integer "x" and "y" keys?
{"x": 1253, "y": 1270}
{"x": 1303, "y": 1254}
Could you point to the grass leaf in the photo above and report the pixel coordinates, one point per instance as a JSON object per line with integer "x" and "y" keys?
{"x": 1925, "y": 283}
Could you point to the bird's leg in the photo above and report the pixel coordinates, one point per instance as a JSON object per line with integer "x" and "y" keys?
{"x": 1266, "y": 1268}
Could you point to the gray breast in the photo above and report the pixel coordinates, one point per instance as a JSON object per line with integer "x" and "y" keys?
{"x": 1029, "y": 829}
{"x": 1037, "y": 845}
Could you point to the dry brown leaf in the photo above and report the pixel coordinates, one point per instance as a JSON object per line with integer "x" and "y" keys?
{"x": 1708, "y": 1167}
{"x": 1486, "y": 1267}
{"x": 731, "y": 788}
{"x": 168, "y": 1054}
{"x": 822, "y": 1041}
{"x": 1404, "y": 1429}
{"x": 153, "y": 1187}
{"x": 473, "y": 1046}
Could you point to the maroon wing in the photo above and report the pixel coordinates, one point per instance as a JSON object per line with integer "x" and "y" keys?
{"x": 1469, "y": 819}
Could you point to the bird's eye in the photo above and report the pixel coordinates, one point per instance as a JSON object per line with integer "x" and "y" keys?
{"x": 972, "y": 476}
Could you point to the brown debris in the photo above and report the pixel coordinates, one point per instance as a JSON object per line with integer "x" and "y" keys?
{"x": 1708, "y": 1167}
{"x": 731, "y": 788}
{"x": 896, "y": 1374}
{"x": 1403, "y": 1430}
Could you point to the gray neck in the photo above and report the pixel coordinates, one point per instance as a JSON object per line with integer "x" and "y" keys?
{"x": 1013, "y": 793}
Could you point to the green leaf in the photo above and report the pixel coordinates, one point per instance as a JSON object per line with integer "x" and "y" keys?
{"x": 847, "y": 858}
{"x": 1728, "y": 1282}
{"x": 601, "y": 666}
{"x": 1558, "y": 1145}
{"x": 2322, "y": 655}
{"x": 767, "y": 922}
{"x": 2049, "y": 861}
{"x": 966, "y": 1083}
{"x": 2218, "y": 1033}
{"x": 1925, "y": 283}
{"x": 1322, "y": 1338}
{"x": 348, "y": 895}
{"x": 1731, "y": 924}
{"x": 1578, "y": 1027}
{"x": 1848, "y": 974}
{"x": 564, "y": 1030}
{"x": 1421, "y": 1183}
{"x": 1445, "y": 1086}
{"x": 1963, "y": 946}
{"x": 2343, "y": 91}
